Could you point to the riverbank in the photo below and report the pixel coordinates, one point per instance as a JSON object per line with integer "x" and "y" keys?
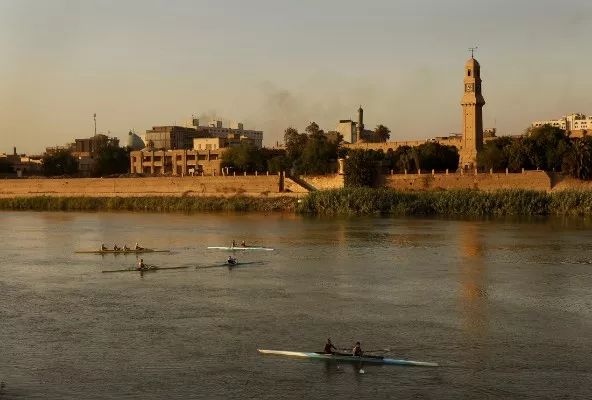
{"x": 186, "y": 204}
{"x": 466, "y": 202}
{"x": 337, "y": 202}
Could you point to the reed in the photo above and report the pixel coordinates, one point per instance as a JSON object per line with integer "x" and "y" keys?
{"x": 340, "y": 202}
{"x": 367, "y": 201}
{"x": 150, "y": 204}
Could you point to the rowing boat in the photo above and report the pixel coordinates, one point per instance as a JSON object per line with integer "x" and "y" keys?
{"x": 237, "y": 264}
{"x": 147, "y": 269}
{"x": 131, "y": 251}
{"x": 239, "y": 248}
{"x": 348, "y": 358}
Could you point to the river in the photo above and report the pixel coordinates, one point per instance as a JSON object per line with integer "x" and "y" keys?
{"x": 504, "y": 306}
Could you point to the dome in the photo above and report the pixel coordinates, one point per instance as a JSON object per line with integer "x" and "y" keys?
{"x": 135, "y": 142}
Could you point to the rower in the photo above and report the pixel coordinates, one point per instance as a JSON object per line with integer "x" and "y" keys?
{"x": 141, "y": 265}
{"x": 125, "y": 248}
{"x": 115, "y": 248}
{"x": 231, "y": 260}
{"x": 233, "y": 243}
{"x": 138, "y": 247}
{"x": 103, "y": 247}
{"x": 243, "y": 244}
{"x": 357, "y": 350}
{"x": 329, "y": 347}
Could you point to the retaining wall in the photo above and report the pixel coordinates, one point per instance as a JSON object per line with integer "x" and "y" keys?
{"x": 153, "y": 186}
{"x": 533, "y": 180}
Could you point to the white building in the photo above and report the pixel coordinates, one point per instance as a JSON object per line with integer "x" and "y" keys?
{"x": 217, "y": 130}
{"x": 571, "y": 122}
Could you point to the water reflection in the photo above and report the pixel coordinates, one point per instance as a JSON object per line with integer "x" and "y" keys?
{"x": 473, "y": 279}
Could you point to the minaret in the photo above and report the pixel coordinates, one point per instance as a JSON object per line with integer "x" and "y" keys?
{"x": 472, "y": 104}
{"x": 360, "y": 125}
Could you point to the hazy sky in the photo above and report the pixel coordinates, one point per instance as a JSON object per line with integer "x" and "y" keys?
{"x": 275, "y": 63}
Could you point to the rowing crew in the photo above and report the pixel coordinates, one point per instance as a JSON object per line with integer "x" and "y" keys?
{"x": 330, "y": 349}
{"x": 141, "y": 266}
{"x": 243, "y": 244}
{"x": 117, "y": 248}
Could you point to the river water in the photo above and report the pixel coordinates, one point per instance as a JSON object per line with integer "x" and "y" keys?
{"x": 504, "y": 306}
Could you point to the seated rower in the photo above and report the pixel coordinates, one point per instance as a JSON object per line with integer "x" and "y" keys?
{"x": 103, "y": 247}
{"x": 231, "y": 260}
{"x": 329, "y": 348}
{"x": 125, "y": 248}
{"x": 233, "y": 243}
{"x": 141, "y": 265}
{"x": 243, "y": 244}
{"x": 138, "y": 247}
{"x": 115, "y": 248}
{"x": 357, "y": 350}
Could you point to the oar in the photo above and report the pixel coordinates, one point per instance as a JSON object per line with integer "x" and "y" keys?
{"x": 377, "y": 350}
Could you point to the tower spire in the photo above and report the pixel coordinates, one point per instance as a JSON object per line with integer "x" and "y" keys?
{"x": 472, "y": 50}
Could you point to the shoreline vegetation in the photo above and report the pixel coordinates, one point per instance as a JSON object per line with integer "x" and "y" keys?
{"x": 337, "y": 202}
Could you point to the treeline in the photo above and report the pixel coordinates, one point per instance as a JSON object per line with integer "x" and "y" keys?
{"x": 312, "y": 152}
{"x": 546, "y": 148}
{"x": 109, "y": 160}
{"x": 362, "y": 167}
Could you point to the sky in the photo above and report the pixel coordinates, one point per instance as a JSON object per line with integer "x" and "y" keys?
{"x": 274, "y": 63}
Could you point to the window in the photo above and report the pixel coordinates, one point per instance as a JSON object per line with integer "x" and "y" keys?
{"x": 468, "y": 72}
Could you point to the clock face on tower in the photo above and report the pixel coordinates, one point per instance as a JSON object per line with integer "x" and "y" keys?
{"x": 469, "y": 87}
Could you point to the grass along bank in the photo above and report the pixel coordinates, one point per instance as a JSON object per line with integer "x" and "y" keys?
{"x": 340, "y": 202}
{"x": 366, "y": 201}
{"x": 150, "y": 204}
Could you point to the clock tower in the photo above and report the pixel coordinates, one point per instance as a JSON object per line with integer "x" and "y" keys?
{"x": 472, "y": 104}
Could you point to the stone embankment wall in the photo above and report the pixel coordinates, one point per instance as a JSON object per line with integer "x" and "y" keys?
{"x": 275, "y": 185}
{"x": 154, "y": 186}
{"x": 532, "y": 180}
{"x": 324, "y": 182}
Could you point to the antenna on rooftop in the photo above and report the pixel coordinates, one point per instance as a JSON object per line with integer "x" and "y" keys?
{"x": 472, "y": 50}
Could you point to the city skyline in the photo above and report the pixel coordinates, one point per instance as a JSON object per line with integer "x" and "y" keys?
{"x": 141, "y": 64}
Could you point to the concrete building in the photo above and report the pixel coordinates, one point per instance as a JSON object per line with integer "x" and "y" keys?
{"x": 472, "y": 122}
{"x": 176, "y": 162}
{"x": 171, "y": 137}
{"x": 354, "y": 132}
{"x": 21, "y": 164}
{"x": 569, "y": 123}
{"x": 181, "y": 137}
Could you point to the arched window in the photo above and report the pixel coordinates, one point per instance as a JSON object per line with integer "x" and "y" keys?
{"x": 469, "y": 72}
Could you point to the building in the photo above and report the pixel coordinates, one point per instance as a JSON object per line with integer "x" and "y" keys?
{"x": 134, "y": 142}
{"x": 176, "y": 162}
{"x": 181, "y": 137}
{"x": 472, "y": 105}
{"x": 171, "y": 137}
{"x": 354, "y": 132}
{"x": 21, "y": 164}
{"x": 569, "y": 123}
{"x": 86, "y": 151}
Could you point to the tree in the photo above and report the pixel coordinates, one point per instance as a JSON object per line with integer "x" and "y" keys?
{"x": 577, "y": 162}
{"x": 5, "y": 166}
{"x": 361, "y": 168}
{"x": 433, "y": 155}
{"x": 111, "y": 159}
{"x": 382, "y": 133}
{"x": 294, "y": 143}
{"x": 313, "y": 129}
{"x": 546, "y": 146}
{"x": 244, "y": 158}
{"x": 496, "y": 153}
{"x": 61, "y": 162}
{"x": 318, "y": 155}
